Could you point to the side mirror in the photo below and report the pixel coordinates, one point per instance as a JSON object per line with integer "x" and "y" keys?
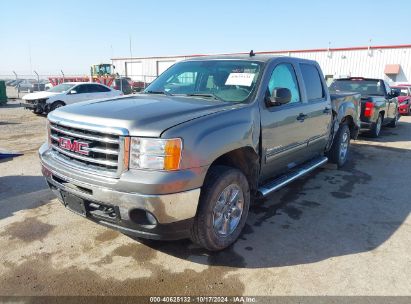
{"x": 279, "y": 97}
{"x": 395, "y": 93}
{"x": 72, "y": 92}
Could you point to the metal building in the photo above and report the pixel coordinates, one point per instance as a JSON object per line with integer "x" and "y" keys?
{"x": 392, "y": 62}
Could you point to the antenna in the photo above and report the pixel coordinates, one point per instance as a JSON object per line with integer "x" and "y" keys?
{"x": 252, "y": 54}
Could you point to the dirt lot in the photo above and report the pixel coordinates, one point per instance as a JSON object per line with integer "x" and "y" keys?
{"x": 335, "y": 232}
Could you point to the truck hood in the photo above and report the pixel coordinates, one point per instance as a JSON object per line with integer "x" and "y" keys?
{"x": 39, "y": 95}
{"x": 142, "y": 115}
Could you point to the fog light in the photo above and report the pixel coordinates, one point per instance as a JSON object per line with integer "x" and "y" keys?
{"x": 142, "y": 217}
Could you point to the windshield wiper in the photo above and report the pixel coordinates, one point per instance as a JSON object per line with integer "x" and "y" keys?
{"x": 206, "y": 95}
{"x": 159, "y": 92}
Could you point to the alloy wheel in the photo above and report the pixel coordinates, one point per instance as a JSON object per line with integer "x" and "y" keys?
{"x": 228, "y": 210}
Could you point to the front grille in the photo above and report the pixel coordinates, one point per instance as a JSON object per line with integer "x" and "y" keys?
{"x": 104, "y": 150}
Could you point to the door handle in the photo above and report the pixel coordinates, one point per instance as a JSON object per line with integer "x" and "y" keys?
{"x": 327, "y": 110}
{"x": 301, "y": 117}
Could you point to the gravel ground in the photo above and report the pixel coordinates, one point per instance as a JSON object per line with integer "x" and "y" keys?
{"x": 334, "y": 232}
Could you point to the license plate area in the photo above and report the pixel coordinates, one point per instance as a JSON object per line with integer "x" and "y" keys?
{"x": 74, "y": 203}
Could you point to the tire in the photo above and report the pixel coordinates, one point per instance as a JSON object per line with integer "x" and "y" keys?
{"x": 217, "y": 208}
{"x": 56, "y": 105}
{"x": 37, "y": 111}
{"x": 394, "y": 122}
{"x": 376, "y": 127}
{"x": 338, "y": 154}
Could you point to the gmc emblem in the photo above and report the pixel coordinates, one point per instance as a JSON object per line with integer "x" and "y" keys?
{"x": 73, "y": 145}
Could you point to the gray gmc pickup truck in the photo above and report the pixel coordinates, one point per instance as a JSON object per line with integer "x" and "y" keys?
{"x": 187, "y": 156}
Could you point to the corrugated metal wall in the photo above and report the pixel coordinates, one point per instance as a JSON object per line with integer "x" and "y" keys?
{"x": 338, "y": 63}
{"x": 367, "y": 63}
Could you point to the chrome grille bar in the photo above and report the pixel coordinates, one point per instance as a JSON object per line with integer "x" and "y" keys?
{"x": 85, "y": 158}
{"x": 97, "y": 150}
{"x": 84, "y": 136}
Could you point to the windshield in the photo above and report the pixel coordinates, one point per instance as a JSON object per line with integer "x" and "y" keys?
{"x": 364, "y": 87}
{"x": 227, "y": 80}
{"x": 61, "y": 88}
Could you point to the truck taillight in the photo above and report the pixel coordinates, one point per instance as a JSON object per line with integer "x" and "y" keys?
{"x": 369, "y": 109}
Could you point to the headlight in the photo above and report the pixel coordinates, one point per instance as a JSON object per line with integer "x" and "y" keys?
{"x": 155, "y": 154}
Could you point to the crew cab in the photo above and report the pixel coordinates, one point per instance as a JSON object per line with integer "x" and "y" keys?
{"x": 404, "y": 99}
{"x": 184, "y": 158}
{"x": 65, "y": 94}
{"x": 379, "y": 104}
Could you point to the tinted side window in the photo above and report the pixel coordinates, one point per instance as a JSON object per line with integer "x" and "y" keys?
{"x": 95, "y": 88}
{"x": 283, "y": 76}
{"x": 312, "y": 81}
{"x": 81, "y": 89}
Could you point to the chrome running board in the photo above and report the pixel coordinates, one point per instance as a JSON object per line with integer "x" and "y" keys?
{"x": 284, "y": 180}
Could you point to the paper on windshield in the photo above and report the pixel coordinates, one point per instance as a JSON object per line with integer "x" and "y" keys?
{"x": 241, "y": 79}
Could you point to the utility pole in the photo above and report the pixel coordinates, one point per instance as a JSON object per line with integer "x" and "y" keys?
{"x": 15, "y": 74}
{"x": 38, "y": 81}
{"x": 31, "y": 67}
{"x": 131, "y": 56}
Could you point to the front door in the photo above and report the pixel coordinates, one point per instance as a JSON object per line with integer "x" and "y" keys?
{"x": 284, "y": 136}
{"x": 81, "y": 94}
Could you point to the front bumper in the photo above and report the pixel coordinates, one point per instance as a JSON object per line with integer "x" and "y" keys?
{"x": 27, "y": 105}
{"x": 37, "y": 105}
{"x": 173, "y": 212}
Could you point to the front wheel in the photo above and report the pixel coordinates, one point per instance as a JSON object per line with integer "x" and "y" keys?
{"x": 338, "y": 153}
{"x": 56, "y": 105}
{"x": 223, "y": 208}
{"x": 37, "y": 111}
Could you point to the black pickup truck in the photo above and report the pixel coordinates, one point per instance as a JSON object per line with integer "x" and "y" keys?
{"x": 379, "y": 104}
{"x": 186, "y": 156}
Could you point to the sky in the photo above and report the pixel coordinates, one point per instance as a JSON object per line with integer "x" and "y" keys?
{"x": 49, "y": 36}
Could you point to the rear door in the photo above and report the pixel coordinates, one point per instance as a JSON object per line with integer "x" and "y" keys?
{"x": 318, "y": 109}
{"x": 284, "y": 133}
{"x": 97, "y": 91}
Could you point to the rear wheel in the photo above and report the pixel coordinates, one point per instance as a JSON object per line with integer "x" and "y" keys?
{"x": 338, "y": 153}
{"x": 376, "y": 127}
{"x": 223, "y": 208}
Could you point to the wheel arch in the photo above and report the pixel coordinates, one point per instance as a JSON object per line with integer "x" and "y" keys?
{"x": 349, "y": 120}
{"x": 244, "y": 159}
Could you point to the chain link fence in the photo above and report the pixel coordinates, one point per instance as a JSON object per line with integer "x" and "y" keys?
{"x": 18, "y": 85}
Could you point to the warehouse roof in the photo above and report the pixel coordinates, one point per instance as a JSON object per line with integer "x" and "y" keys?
{"x": 278, "y": 52}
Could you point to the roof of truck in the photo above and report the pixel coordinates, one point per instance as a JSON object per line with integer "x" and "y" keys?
{"x": 256, "y": 57}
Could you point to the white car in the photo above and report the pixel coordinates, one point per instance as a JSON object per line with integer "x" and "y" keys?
{"x": 65, "y": 94}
